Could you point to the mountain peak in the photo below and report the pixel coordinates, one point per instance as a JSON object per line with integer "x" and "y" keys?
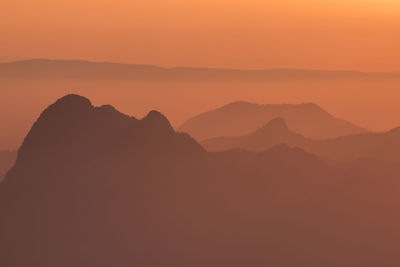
{"x": 73, "y": 100}
{"x": 157, "y": 120}
{"x": 277, "y": 125}
{"x": 67, "y": 108}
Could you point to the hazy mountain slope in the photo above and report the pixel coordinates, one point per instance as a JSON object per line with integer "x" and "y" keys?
{"x": 7, "y": 159}
{"x": 383, "y": 146}
{"x": 93, "y": 187}
{"x": 241, "y": 118}
{"x": 380, "y": 146}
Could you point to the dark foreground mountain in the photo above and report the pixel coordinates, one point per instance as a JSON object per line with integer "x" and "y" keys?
{"x": 380, "y": 146}
{"x": 93, "y": 187}
{"x": 241, "y": 118}
{"x": 7, "y": 159}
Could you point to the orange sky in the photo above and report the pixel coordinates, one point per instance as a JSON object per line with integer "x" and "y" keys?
{"x": 327, "y": 34}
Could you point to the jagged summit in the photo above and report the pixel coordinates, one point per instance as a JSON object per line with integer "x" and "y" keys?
{"x": 74, "y": 126}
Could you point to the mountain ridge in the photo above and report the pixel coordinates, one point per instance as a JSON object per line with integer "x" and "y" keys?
{"x": 240, "y": 118}
{"x": 93, "y": 187}
{"x": 379, "y": 146}
{"x": 85, "y": 69}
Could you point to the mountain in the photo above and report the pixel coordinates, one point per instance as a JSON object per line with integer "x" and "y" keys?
{"x": 274, "y": 133}
{"x": 47, "y": 69}
{"x": 94, "y": 187}
{"x": 380, "y": 146}
{"x": 7, "y": 159}
{"x": 241, "y": 118}
{"x": 137, "y": 88}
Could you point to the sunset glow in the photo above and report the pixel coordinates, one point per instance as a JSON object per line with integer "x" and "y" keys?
{"x": 317, "y": 34}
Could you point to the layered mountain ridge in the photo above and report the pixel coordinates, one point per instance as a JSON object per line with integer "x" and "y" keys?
{"x": 93, "y": 187}
{"x": 42, "y": 69}
{"x": 241, "y": 118}
{"x": 379, "y": 146}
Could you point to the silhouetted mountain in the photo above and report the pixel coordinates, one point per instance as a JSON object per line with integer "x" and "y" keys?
{"x": 79, "y": 69}
{"x": 93, "y": 187}
{"x": 7, "y": 159}
{"x": 99, "y": 130}
{"x": 241, "y": 118}
{"x": 380, "y": 146}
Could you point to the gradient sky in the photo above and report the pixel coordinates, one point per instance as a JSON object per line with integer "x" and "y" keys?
{"x": 319, "y": 34}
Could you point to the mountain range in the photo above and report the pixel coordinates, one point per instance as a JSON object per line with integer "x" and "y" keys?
{"x": 94, "y": 187}
{"x": 240, "y": 118}
{"x": 45, "y": 69}
{"x": 137, "y": 88}
{"x": 379, "y": 146}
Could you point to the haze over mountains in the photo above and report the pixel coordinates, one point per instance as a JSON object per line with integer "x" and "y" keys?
{"x": 378, "y": 146}
{"x": 183, "y": 133}
{"x": 94, "y": 187}
{"x": 27, "y": 86}
{"x": 241, "y": 118}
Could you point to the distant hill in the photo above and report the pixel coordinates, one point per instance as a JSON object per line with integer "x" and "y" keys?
{"x": 274, "y": 133}
{"x": 241, "y": 118}
{"x": 7, "y": 159}
{"x": 46, "y": 69}
{"x": 380, "y": 146}
{"x": 93, "y": 187}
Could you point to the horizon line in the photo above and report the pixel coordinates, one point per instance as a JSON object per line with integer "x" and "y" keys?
{"x": 201, "y": 67}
